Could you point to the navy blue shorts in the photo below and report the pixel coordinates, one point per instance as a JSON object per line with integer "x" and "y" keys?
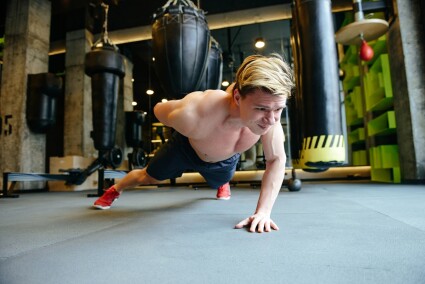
{"x": 177, "y": 156}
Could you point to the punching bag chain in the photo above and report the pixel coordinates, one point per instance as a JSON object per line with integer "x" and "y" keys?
{"x": 104, "y": 39}
{"x": 176, "y": 2}
{"x": 105, "y": 23}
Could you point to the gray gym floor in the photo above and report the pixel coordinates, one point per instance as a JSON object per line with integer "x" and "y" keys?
{"x": 330, "y": 232}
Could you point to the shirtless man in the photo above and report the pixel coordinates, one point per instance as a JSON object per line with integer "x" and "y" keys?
{"x": 213, "y": 127}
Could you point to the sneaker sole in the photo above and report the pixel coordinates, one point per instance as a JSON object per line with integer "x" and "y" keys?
{"x": 101, "y": 207}
{"x": 223, "y": 198}
{"x": 97, "y": 206}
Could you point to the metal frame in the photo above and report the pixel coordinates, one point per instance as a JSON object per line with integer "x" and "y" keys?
{"x": 255, "y": 176}
{"x": 14, "y": 177}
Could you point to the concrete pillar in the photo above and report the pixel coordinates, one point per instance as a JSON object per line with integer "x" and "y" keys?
{"x": 27, "y": 35}
{"x": 407, "y": 58}
{"x": 78, "y": 103}
{"x": 128, "y": 86}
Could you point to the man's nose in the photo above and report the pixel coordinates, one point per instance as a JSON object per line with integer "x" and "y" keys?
{"x": 270, "y": 118}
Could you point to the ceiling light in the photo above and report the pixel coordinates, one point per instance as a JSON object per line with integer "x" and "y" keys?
{"x": 225, "y": 83}
{"x": 149, "y": 92}
{"x": 259, "y": 42}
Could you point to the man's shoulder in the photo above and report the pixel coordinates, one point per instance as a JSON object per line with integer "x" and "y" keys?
{"x": 213, "y": 102}
{"x": 206, "y": 92}
{"x": 215, "y": 94}
{"x": 206, "y": 97}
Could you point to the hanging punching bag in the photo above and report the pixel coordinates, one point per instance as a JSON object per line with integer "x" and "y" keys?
{"x": 133, "y": 136}
{"x": 214, "y": 71}
{"x": 295, "y": 107}
{"x": 323, "y": 141}
{"x": 133, "y": 128}
{"x": 42, "y": 91}
{"x": 180, "y": 44}
{"x": 105, "y": 66}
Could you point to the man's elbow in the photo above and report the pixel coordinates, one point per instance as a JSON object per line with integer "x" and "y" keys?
{"x": 278, "y": 161}
{"x": 155, "y": 110}
{"x": 159, "y": 114}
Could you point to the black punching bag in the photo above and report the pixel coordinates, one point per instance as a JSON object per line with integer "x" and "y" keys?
{"x": 214, "y": 72}
{"x": 323, "y": 141}
{"x": 133, "y": 128}
{"x": 42, "y": 91}
{"x": 295, "y": 109}
{"x": 105, "y": 66}
{"x": 180, "y": 43}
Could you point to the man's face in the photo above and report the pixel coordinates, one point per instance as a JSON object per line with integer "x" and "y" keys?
{"x": 260, "y": 110}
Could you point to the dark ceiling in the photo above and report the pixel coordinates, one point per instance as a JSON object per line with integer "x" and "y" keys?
{"x": 69, "y": 15}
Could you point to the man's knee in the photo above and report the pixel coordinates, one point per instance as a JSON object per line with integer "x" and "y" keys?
{"x": 148, "y": 179}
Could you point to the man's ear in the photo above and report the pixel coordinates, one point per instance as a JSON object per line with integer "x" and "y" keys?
{"x": 236, "y": 96}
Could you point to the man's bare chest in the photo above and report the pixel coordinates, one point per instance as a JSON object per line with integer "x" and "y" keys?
{"x": 221, "y": 144}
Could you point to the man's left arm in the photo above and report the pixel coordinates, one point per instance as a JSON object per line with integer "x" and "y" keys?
{"x": 275, "y": 156}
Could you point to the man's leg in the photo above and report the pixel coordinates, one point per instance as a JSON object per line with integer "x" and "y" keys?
{"x": 169, "y": 161}
{"x": 218, "y": 175}
{"x": 135, "y": 178}
{"x": 132, "y": 179}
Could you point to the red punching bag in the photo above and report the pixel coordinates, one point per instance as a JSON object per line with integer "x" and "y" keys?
{"x": 366, "y": 52}
{"x": 180, "y": 43}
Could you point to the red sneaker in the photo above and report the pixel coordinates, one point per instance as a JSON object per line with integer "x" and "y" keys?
{"x": 223, "y": 192}
{"x": 105, "y": 201}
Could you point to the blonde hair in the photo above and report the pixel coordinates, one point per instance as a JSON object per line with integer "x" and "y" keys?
{"x": 270, "y": 74}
